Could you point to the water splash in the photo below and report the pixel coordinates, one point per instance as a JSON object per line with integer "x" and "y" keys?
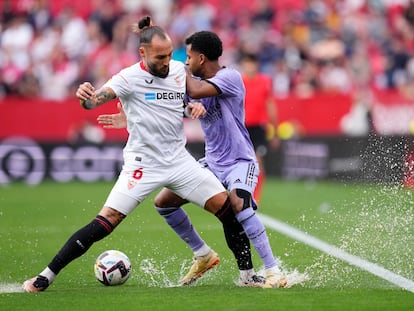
{"x": 380, "y": 227}
{"x": 154, "y": 273}
{"x": 7, "y": 288}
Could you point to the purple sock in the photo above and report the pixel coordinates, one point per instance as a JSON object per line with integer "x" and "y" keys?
{"x": 257, "y": 235}
{"x": 178, "y": 220}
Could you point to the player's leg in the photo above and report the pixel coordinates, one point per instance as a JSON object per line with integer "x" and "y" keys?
{"x": 201, "y": 187}
{"x": 168, "y": 204}
{"x": 239, "y": 244}
{"x": 76, "y": 246}
{"x": 209, "y": 193}
{"x": 236, "y": 239}
{"x": 117, "y": 206}
{"x": 241, "y": 202}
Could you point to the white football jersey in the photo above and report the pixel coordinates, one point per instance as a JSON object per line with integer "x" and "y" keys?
{"x": 154, "y": 109}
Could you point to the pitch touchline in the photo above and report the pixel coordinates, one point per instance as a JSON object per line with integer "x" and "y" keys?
{"x": 334, "y": 251}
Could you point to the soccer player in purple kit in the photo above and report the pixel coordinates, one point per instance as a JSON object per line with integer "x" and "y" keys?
{"x": 229, "y": 152}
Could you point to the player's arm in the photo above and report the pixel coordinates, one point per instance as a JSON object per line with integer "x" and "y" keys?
{"x": 90, "y": 98}
{"x": 197, "y": 89}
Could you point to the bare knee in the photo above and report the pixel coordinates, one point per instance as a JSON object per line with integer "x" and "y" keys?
{"x": 216, "y": 202}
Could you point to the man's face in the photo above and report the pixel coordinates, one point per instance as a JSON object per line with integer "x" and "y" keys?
{"x": 249, "y": 67}
{"x": 157, "y": 56}
{"x": 194, "y": 61}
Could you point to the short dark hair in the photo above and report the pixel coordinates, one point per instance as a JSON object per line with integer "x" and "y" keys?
{"x": 247, "y": 56}
{"x": 207, "y": 43}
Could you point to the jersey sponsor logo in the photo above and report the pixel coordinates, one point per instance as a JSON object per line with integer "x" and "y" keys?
{"x": 150, "y": 96}
{"x": 149, "y": 81}
{"x": 165, "y": 95}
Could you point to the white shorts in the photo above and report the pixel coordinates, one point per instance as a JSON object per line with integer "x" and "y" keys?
{"x": 186, "y": 178}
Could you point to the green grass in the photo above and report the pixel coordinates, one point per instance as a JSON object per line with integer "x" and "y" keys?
{"x": 373, "y": 222}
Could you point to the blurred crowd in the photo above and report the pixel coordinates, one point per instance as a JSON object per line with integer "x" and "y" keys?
{"x": 349, "y": 46}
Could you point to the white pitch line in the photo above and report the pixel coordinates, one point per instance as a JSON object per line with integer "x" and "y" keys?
{"x": 334, "y": 251}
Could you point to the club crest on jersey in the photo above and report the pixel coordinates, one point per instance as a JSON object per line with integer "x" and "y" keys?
{"x": 178, "y": 80}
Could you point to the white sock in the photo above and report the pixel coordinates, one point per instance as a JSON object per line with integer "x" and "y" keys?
{"x": 273, "y": 270}
{"x": 202, "y": 251}
{"x": 245, "y": 275}
{"x": 49, "y": 274}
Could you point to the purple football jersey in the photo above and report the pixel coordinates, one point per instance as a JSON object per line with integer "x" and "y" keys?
{"x": 226, "y": 137}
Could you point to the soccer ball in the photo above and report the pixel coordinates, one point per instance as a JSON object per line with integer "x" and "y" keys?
{"x": 112, "y": 267}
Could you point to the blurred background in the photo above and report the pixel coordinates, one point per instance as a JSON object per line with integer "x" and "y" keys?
{"x": 342, "y": 79}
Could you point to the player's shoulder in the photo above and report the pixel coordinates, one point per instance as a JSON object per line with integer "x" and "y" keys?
{"x": 176, "y": 65}
{"x": 131, "y": 70}
{"x": 229, "y": 71}
{"x": 229, "y": 74}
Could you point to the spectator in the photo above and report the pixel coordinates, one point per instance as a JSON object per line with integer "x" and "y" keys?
{"x": 383, "y": 30}
{"x": 58, "y": 76}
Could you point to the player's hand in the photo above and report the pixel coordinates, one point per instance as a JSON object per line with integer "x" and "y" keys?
{"x": 196, "y": 110}
{"x": 85, "y": 91}
{"x": 113, "y": 121}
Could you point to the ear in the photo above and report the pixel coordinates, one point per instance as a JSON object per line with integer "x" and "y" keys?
{"x": 202, "y": 58}
{"x": 142, "y": 52}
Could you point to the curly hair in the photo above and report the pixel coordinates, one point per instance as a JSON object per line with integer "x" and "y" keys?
{"x": 207, "y": 43}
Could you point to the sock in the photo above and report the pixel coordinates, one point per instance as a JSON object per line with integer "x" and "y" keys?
{"x": 273, "y": 270}
{"x": 80, "y": 242}
{"x": 49, "y": 274}
{"x": 178, "y": 220}
{"x": 257, "y": 235}
{"x": 236, "y": 239}
{"x": 245, "y": 275}
{"x": 203, "y": 251}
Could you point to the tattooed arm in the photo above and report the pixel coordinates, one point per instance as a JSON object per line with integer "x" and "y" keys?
{"x": 90, "y": 98}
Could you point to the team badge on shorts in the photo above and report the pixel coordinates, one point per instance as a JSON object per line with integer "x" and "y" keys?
{"x": 131, "y": 183}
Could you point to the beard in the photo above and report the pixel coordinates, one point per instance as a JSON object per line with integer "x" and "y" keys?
{"x": 161, "y": 72}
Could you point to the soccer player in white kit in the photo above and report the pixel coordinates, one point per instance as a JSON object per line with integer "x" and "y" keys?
{"x": 152, "y": 93}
